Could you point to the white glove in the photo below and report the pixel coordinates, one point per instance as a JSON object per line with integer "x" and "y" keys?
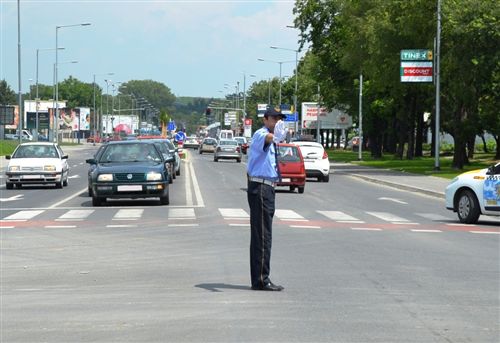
{"x": 279, "y": 131}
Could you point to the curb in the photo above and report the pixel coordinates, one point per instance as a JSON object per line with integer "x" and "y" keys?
{"x": 401, "y": 186}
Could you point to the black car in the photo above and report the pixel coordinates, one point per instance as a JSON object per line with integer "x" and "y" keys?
{"x": 128, "y": 169}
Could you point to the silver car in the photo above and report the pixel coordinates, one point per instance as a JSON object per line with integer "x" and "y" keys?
{"x": 227, "y": 149}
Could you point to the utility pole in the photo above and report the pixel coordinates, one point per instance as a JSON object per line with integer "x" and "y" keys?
{"x": 360, "y": 156}
{"x": 436, "y": 128}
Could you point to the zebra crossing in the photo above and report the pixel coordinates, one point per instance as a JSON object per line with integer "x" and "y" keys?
{"x": 240, "y": 217}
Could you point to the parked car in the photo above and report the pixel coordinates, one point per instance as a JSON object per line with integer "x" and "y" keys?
{"x": 227, "y": 149}
{"x": 129, "y": 169}
{"x": 207, "y": 145}
{"x": 191, "y": 142}
{"x": 315, "y": 159}
{"x": 242, "y": 141}
{"x": 291, "y": 167}
{"x": 37, "y": 163}
{"x": 474, "y": 193}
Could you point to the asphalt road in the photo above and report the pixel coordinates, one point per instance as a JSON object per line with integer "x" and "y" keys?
{"x": 360, "y": 262}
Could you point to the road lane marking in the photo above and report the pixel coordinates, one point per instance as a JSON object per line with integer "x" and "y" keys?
{"x": 23, "y": 215}
{"x": 425, "y": 230}
{"x": 187, "y": 185}
{"x": 305, "y": 227}
{"x": 432, "y": 216}
{"x": 121, "y": 225}
{"x": 59, "y": 226}
{"x": 69, "y": 198}
{"x": 183, "y": 225}
{"x": 288, "y": 215}
{"x": 387, "y": 217}
{"x": 181, "y": 213}
{"x": 243, "y": 225}
{"x": 340, "y": 216}
{"x": 76, "y": 215}
{"x": 404, "y": 223}
{"x": 365, "y": 229}
{"x": 394, "y": 200}
{"x": 487, "y": 232}
{"x": 234, "y": 213}
{"x": 128, "y": 214}
{"x": 197, "y": 191}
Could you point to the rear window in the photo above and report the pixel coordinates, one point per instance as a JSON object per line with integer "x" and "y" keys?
{"x": 228, "y": 143}
{"x": 288, "y": 154}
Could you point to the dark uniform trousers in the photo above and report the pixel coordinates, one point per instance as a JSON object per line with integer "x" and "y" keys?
{"x": 261, "y": 202}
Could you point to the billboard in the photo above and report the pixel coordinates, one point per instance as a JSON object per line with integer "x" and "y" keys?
{"x": 7, "y": 115}
{"x": 336, "y": 119}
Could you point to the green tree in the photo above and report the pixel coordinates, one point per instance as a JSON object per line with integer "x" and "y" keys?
{"x": 7, "y": 95}
{"x": 76, "y": 92}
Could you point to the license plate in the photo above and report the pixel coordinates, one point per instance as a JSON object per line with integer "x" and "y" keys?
{"x": 129, "y": 188}
{"x": 31, "y": 177}
{"x": 227, "y": 149}
{"x": 285, "y": 180}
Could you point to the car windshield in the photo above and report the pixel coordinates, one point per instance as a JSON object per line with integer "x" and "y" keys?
{"x": 209, "y": 141}
{"x": 130, "y": 153}
{"x": 36, "y": 151}
{"x": 240, "y": 140}
{"x": 288, "y": 154}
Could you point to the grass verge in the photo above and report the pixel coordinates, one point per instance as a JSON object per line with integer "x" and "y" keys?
{"x": 420, "y": 165}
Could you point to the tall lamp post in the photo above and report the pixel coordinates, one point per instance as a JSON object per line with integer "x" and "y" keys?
{"x": 37, "y": 100}
{"x": 96, "y": 117}
{"x": 107, "y": 101}
{"x": 280, "y": 63}
{"x": 56, "y": 76}
{"x": 296, "y": 80}
{"x": 245, "y": 93}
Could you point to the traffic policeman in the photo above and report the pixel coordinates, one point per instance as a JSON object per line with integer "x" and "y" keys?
{"x": 263, "y": 173}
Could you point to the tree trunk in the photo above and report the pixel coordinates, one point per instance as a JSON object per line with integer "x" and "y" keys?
{"x": 420, "y": 135}
{"x": 471, "y": 142}
{"x": 497, "y": 140}
{"x": 485, "y": 146}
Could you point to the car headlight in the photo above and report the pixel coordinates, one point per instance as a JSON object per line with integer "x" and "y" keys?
{"x": 105, "y": 177}
{"x": 49, "y": 168}
{"x": 153, "y": 176}
{"x": 14, "y": 168}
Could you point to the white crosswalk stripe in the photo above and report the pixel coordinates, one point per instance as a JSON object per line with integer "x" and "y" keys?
{"x": 75, "y": 215}
{"x": 24, "y": 215}
{"x": 129, "y": 214}
{"x": 389, "y": 217}
{"x": 432, "y": 216}
{"x": 181, "y": 213}
{"x": 339, "y": 216}
{"x": 288, "y": 215}
{"x": 234, "y": 213}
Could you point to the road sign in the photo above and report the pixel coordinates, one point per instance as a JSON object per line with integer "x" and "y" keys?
{"x": 6, "y": 115}
{"x": 171, "y": 125}
{"x": 416, "y": 55}
{"x": 416, "y": 72}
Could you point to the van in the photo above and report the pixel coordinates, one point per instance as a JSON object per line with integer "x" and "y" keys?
{"x": 225, "y": 134}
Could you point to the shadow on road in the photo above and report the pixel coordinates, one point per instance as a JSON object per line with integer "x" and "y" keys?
{"x": 218, "y": 287}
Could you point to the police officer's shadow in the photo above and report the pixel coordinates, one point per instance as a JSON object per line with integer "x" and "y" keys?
{"x": 219, "y": 287}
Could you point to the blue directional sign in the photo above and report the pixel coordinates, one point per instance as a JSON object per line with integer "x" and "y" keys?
{"x": 292, "y": 117}
{"x": 180, "y": 136}
{"x": 171, "y": 125}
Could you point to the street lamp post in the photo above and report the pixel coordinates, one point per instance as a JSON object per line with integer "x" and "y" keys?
{"x": 245, "y": 93}
{"x": 296, "y": 80}
{"x": 96, "y": 117}
{"x": 56, "y": 76}
{"x": 107, "y": 100}
{"x": 37, "y": 100}
{"x": 280, "y": 63}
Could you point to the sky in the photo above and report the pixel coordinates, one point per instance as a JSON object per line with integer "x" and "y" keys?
{"x": 193, "y": 47}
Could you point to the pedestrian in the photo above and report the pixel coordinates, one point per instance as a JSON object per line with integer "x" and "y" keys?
{"x": 262, "y": 173}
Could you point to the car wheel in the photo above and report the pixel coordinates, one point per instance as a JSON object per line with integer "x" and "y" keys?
{"x": 90, "y": 192}
{"x": 59, "y": 185}
{"x": 326, "y": 178}
{"x": 65, "y": 182}
{"x": 165, "y": 200}
{"x": 178, "y": 172}
{"x": 301, "y": 189}
{"x": 216, "y": 159}
{"x": 96, "y": 201}
{"x": 468, "y": 207}
{"x": 9, "y": 185}
{"x": 201, "y": 152}
{"x": 292, "y": 188}
{"x": 238, "y": 160}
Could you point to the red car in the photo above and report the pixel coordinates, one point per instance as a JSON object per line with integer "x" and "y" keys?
{"x": 291, "y": 167}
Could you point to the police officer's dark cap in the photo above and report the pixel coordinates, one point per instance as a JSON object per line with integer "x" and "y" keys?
{"x": 274, "y": 112}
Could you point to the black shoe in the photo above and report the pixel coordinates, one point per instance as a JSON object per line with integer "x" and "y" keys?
{"x": 269, "y": 287}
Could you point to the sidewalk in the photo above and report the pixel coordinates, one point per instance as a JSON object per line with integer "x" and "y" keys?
{"x": 430, "y": 185}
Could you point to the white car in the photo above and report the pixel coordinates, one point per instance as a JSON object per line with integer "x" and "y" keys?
{"x": 37, "y": 163}
{"x": 315, "y": 160}
{"x": 474, "y": 193}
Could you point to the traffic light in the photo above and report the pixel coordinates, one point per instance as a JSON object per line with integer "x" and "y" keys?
{"x": 208, "y": 111}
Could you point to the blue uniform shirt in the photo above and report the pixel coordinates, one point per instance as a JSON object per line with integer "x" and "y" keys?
{"x": 261, "y": 157}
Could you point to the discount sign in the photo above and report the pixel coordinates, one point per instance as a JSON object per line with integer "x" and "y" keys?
{"x": 416, "y": 66}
